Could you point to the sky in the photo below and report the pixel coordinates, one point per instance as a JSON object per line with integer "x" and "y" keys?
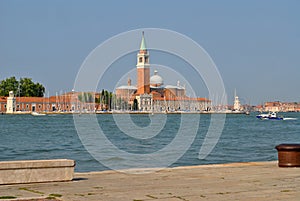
{"x": 254, "y": 44}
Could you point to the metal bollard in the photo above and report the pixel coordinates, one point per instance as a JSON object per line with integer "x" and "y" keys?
{"x": 288, "y": 155}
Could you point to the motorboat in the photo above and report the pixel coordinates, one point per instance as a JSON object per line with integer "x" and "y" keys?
{"x": 275, "y": 116}
{"x": 263, "y": 116}
{"x": 270, "y": 115}
{"x": 37, "y": 114}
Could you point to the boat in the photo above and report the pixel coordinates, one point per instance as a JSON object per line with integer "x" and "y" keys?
{"x": 270, "y": 115}
{"x": 263, "y": 116}
{"x": 37, "y": 114}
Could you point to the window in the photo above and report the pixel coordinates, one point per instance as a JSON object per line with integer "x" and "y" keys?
{"x": 140, "y": 59}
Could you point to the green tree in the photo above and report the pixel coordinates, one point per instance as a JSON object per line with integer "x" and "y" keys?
{"x": 86, "y": 97}
{"x": 39, "y": 90}
{"x": 26, "y": 87}
{"x": 7, "y": 85}
{"x": 29, "y": 89}
{"x": 106, "y": 98}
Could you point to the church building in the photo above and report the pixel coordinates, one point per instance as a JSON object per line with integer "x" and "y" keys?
{"x": 150, "y": 94}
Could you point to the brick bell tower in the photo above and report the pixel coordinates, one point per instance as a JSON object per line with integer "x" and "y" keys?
{"x": 143, "y": 69}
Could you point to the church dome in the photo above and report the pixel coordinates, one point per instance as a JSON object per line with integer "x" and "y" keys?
{"x": 156, "y": 80}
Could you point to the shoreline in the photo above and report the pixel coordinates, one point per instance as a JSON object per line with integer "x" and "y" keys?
{"x": 125, "y": 112}
{"x": 158, "y": 169}
{"x": 137, "y": 112}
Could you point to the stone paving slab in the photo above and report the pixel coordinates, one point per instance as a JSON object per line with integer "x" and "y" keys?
{"x": 237, "y": 181}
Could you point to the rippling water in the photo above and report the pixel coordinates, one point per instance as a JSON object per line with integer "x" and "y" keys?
{"x": 244, "y": 138}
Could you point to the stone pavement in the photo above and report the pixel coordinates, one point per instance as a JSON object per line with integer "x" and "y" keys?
{"x": 236, "y": 181}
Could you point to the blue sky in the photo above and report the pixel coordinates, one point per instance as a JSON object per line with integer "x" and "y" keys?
{"x": 255, "y": 44}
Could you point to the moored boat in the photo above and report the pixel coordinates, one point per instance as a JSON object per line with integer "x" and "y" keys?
{"x": 37, "y": 114}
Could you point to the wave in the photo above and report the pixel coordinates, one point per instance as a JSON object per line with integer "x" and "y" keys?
{"x": 288, "y": 118}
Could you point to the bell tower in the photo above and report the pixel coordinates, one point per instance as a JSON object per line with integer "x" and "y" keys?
{"x": 143, "y": 69}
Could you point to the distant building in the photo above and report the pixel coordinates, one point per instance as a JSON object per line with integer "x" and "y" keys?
{"x": 126, "y": 91}
{"x": 68, "y": 102}
{"x": 11, "y": 103}
{"x": 236, "y": 103}
{"x": 273, "y": 106}
{"x": 150, "y": 94}
{"x": 278, "y": 106}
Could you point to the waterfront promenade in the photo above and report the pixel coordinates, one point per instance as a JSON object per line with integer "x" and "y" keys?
{"x": 236, "y": 181}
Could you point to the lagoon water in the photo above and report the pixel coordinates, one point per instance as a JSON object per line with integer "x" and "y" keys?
{"x": 244, "y": 138}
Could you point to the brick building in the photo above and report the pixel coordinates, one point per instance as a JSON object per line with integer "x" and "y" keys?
{"x": 150, "y": 93}
{"x": 68, "y": 102}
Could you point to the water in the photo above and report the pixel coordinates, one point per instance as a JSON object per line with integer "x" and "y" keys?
{"x": 244, "y": 138}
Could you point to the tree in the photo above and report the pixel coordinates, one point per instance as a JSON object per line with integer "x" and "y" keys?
{"x": 29, "y": 89}
{"x": 39, "y": 90}
{"x": 7, "y": 85}
{"x": 25, "y": 87}
{"x": 106, "y": 99}
{"x": 86, "y": 97}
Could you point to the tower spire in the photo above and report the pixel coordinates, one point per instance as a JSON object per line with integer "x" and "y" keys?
{"x": 143, "y": 42}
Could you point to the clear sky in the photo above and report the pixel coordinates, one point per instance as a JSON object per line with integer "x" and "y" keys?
{"x": 255, "y": 44}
